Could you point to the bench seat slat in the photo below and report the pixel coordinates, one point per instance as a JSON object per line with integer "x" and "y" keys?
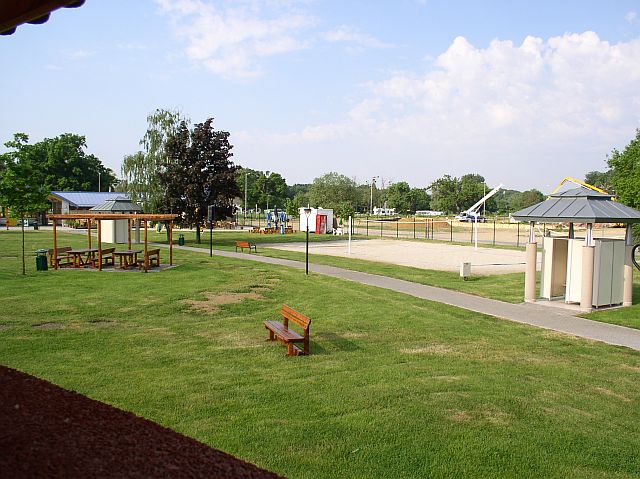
{"x": 287, "y": 335}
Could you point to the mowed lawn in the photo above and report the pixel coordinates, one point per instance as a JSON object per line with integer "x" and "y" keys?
{"x": 395, "y": 386}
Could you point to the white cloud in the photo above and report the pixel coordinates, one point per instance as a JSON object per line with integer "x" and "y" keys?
{"x": 541, "y": 109}
{"x": 631, "y": 17}
{"x": 233, "y": 38}
{"x": 81, "y": 54}
{"x": 349, "y": 35}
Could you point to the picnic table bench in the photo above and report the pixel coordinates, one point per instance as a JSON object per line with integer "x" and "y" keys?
{"x": 62, "y": 258}
{"x": 108, "y": 258}
{"x": 152, "y": 257}
{"x": 245, "y": 244}
{"x": 281, "y": 331}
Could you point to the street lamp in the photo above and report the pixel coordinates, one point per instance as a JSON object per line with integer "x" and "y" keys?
{"x": 307, "y": 212}
{"x": 373, "y": 182}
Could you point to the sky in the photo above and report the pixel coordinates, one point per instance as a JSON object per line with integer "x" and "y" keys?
{"x": 523, "y": 93}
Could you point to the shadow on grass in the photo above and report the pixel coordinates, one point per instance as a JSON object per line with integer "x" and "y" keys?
{"x": 335, "y": 341}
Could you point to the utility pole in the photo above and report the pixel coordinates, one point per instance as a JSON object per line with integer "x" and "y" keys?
{"x": 98, "y": 182}
{"x": 245, "y": 196}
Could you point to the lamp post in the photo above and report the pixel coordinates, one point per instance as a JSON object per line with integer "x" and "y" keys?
{"x": 373, "y": 182}
{"x": 307, "y": 212}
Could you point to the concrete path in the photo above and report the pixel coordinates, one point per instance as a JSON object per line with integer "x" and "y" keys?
{"x": 534, "y": 315}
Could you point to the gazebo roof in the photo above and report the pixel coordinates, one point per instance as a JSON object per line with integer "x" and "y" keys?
{"x": 579, "y": 205}
{"x": 117, "y": 205}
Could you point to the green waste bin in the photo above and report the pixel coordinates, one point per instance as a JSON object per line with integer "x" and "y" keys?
{"x": 181, "y": 240}
{"x": 41, "y": 260}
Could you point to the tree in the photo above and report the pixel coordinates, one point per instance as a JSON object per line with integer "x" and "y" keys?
{"x": 444, "y": 194}
{"x": 334, "y": 190}
{"x": 599, "y": 179}
{"x": 625, "y": 174}
{"x": 61, "y": 163}
{"x": 21, "y": 187}
{"x": 398, "y": 196}
{"x": 265, "y": 189}
{"x": 141, "y": 171}
{"x": 419, "y": 199}
{"x": 199, "y": 172}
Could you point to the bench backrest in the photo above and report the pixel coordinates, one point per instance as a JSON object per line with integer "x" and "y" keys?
{"x": 298, "y": 318}
{"x": 63, "y": 249}
{"x": 107, "y": 251}
{"x": 242, "y": 244}
{"x": 151, "y": 252}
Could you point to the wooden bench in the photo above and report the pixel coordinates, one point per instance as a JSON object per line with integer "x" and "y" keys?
{"x": 62, "y": 258}
{"x": 245, "y": 244}
{"x": 281, "y": 331}
{"x": 108, "y": 258}
{"x": 152, "y": 257}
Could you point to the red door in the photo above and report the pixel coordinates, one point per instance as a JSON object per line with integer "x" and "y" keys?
{"x": 321, "y": 224}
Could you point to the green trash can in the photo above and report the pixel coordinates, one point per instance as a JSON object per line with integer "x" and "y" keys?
{"x": 181, "y": 240}
{"x": 41, "y": 260}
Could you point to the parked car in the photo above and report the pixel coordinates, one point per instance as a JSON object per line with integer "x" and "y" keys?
{"x": 3, "y": 221}
{"x": 467, "y": 218}
{"x": 29, "y": 222}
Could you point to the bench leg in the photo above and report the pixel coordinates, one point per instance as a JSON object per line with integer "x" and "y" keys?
{"x": 290, "y": 349}
{"x": 272, "y": 336}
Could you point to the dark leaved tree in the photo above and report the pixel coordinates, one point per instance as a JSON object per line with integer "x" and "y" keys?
{"x": 199, "y": 173}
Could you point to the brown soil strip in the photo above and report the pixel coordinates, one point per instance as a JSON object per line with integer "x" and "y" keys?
{"x": 47, "y": 431}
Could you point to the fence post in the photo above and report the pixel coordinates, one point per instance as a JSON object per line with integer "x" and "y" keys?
{"x": 381, "y": 225}
{"x": 414, "y": 226}
{"x": 472, "y": 231}
{"x": 397, "y": 226}
{"x": 426, "y": 225}
{"x": 367, "y": 223}
{"x": 451, "y": 230}
{"x": 518, "y": 239}
{"x": 494, "y": 231}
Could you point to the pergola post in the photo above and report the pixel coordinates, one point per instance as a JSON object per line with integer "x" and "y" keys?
{"x": 99, "y": 246}
{"x": 89, "y": 232}
{"x": 170, "y": 243}
{"x": 55, "y": 245}
{"x": 146, "y": 258}
{"x": 572, "y": 233}
{"x": 530, "y": 268}
{"x": 129, "y": 233}
{"x": 627, "y": 295}
{"x": 588, "y": 253}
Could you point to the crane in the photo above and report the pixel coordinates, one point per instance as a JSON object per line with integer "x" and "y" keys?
{"x": 472, "y": 212}
{"x": 579, "y": 183}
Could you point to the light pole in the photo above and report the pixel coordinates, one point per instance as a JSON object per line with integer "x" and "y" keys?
{"x": 307, "y": 212}
{"x": 373, "y": 182}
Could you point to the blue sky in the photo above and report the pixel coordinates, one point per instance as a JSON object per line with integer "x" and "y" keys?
{"x": 524, "y": 93}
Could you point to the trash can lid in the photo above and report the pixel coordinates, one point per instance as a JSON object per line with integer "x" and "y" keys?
{"x": 41, "y": 251}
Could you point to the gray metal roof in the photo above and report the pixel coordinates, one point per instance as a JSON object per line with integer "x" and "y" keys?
{"x": 579, "y": 205}
{"x": 86, "y": 199}
{"x": 117, "y": 205}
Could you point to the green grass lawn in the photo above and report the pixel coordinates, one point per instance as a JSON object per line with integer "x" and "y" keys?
{"x": 395, "y": 386}
{"x": 505, "y": 287}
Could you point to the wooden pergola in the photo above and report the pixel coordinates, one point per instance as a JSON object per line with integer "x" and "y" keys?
{"x": 130, "y": 217}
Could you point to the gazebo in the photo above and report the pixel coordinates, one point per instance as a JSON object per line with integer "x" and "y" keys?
{"x": 581, "y": 258}
{"x": 99, "y": 217}
{"x": 118, "y": 231}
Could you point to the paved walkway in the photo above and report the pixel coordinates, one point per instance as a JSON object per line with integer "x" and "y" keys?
{"x": 534, "y": 315}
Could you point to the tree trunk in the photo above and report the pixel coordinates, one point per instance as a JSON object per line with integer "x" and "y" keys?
{"x": 24, "y": 268}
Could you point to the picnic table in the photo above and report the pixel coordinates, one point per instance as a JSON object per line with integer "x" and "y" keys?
{"x": 127, "y": 258}
{"x": 82, "y": 256}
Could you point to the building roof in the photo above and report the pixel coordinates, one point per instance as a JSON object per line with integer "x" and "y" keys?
{"x": 86, "y": 199}
{"x": 120, "y": 204}
{"x": 579, "y": 205}
{"x": 16, "y": 12}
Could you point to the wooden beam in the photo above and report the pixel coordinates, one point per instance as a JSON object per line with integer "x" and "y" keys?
{"x": 55, "y": 246}
{"x": 89, "y": 231}
{"x": 129, "y": 233}
{"x": 146, "y": 258}
{"x": 170, "y": 243}
{"x": 99, "y": 246}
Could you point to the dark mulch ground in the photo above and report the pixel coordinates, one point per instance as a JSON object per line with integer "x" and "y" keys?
{"x": 46, "y": 431}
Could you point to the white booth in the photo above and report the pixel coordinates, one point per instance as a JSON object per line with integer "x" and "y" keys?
{"x": 320, "y": 220}
{"x": 593, "y": 272}
{"x": 117, "y": 231}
